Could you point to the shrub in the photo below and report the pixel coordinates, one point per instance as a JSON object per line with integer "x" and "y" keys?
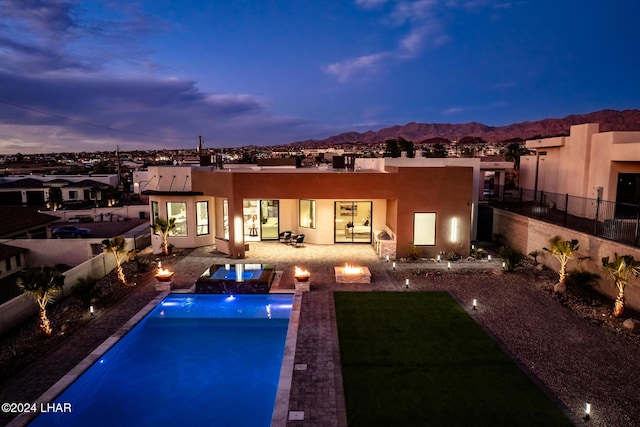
{"x": 415, "y": 252}
{"x": 582, "y": 279}
{"x": 511, "y": 257}
{"x": 85, "y": 290}
{"x": 535, "y": 254}
{"x": 478, "y": 253}
{"x": 453, "y": 256}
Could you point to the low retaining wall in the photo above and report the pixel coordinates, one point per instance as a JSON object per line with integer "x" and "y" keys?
{"x": 528, "y": 234}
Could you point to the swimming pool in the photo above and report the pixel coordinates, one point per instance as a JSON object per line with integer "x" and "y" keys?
{"x": 193, "y": 360}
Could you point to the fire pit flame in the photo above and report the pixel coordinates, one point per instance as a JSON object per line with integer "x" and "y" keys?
{"x": 302, "y": 275}
{"x": 352, "y": 269}
{"x": 163, "y": 274}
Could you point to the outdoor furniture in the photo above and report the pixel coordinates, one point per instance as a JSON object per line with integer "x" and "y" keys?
{"x": 298, "y": 240}
{"x": 284, "y": 236}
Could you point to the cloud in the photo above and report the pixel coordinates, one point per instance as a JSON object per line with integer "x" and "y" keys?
{"x": 419, "y": 26}
{"x": 363, "y": 65}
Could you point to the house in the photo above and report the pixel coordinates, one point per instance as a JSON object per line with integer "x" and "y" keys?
{"x": 24, "y": 223}
{"x": 429, "y": 203}
{"x": 587, "y": 163}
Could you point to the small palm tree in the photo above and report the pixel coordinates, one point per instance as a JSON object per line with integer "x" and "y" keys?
{"x": 620, "y": 269}
{"x": 43, "y": 285}
{"x": 164, "y": 227}
{"x": 116, "y": 246}
{"x": 564, "y": 251}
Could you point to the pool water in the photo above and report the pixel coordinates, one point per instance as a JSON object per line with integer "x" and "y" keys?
{"x": 197, "y": 360}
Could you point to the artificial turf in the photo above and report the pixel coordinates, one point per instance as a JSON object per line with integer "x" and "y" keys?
{"x": 418, "y": 359}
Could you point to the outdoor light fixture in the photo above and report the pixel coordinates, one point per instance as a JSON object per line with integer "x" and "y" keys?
{"x": 387, "y": 258}
{"x": 438, "y": 258}
{"x": 475, "y": 303}
{"x": 394, "y": 266}
{"x": 489, "y": 257}
{"x": 454, "y": 230}
{"x": 587, "y": 411}
{"x": 473, "y": 247}
{"x": 448, "y": 266}
{"x": 92, "y": 311}
{"x": 406, "y": 283}
{"x": 504, "y": 264}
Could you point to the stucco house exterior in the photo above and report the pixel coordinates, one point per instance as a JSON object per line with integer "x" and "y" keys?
{"x": 429, "y": 203}
{"x": 587, "y": 163}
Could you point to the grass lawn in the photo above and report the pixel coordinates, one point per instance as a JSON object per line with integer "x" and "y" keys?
{"x": 418, "y": 359}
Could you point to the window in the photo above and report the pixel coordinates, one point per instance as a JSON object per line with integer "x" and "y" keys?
{"x": 178, "y": 210}
{"x": 155, "y": 212}
{"x": 424, "y": 229}
{"x": 202, "y": 218}
{"x": 307, "y": 213}
{"x": 225, "y": 219}
{"x": 73, "y": 195}
{"x": 19, "y": 260}
{"x": 7, "y": 263}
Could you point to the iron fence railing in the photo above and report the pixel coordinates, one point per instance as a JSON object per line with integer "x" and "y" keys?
{"x": 615, "y": 221}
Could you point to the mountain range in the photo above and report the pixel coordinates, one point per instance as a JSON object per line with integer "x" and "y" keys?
{"x": 609, "y": 120}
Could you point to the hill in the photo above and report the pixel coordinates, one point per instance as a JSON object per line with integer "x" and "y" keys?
{"x": 609, "y": 120}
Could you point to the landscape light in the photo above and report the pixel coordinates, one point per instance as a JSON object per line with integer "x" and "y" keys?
{"x": 449, "y": 266}
{"x": 438, "y": 258}
{"x": 475, "y": 302}
{"x": 406, "y": 283}
{"x": 92, "y": 311}
{"x": 387, "y": 258}
{"x": 504, "y": 264}
{"x": 587, "y": 411}
{"x": 489, "y": 257}
{"x": 394, "y": 266}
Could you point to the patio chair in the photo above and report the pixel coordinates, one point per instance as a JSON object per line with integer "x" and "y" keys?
{"x": 299, "y": 239}
{"x": 284, "y": 237}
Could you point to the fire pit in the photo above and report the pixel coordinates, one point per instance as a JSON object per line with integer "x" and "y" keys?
{"x": 164, "y": 275}
{"x": 302, "y": 275}
{"x": 352, "y": 274}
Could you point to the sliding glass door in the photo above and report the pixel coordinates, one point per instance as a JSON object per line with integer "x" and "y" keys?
{"x": 352, "y": 222}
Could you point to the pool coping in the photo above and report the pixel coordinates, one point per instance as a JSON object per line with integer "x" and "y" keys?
{"x": 281, "y": 406}
{"x": 52, "y": 393}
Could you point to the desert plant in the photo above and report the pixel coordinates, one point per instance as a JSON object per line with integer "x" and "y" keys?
{"x": 415, "y": 253}
{"x": 563, "y": 251}
{"x": 116, "y": 246}
{"x": 511, "y": 257}
{"x": 582, "y": 279}
{"x": 453, "y": 256}
{"x": 478, "y": 253}
{"x": 535, "y": 254}
{"x": 43, "y": 285}
{"x": 85, "y": 290}
{"x": 164, "y": 227}
{"x": 620, "y": 269}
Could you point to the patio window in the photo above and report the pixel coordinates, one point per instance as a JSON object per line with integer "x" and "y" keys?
{"x": 225, "y": 218}
{"x": 202, "y": 218}
{"x": 307, "y": 213}
{"x": 424, "y": 228}
{"x": 155, "y": 212}
{"x": 178, "y": 210}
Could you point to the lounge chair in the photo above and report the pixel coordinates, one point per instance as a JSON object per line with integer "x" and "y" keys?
{"x": 285, "y": 237}
{"x": 299, "y": 239}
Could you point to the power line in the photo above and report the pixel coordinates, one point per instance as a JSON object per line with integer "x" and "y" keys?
{"x": 24, "y": 107}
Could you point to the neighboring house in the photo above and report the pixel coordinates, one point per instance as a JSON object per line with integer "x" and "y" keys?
{"x": 24, "y": 223}
{"x": 429, "y": 203}
{"x": 12, "y": 260}
{"x": 587, "y": 163}
{"x": 34, "y": 190}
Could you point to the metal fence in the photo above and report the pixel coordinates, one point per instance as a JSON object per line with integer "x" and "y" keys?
{"x": 615, "y": 221}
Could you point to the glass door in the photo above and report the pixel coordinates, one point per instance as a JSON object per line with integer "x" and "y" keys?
{"x": 269, "y": 211}
{"x": 250, "y": 212}
{"x": 352, "y": 222}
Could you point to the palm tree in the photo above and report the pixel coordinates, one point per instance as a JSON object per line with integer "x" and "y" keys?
{"x": 43, "y": 285}
{"x": 164, "y": 227}
{"x": 563, "y": 250}
{"x": 116, "y": 246}
{"x": 620, "y": 269}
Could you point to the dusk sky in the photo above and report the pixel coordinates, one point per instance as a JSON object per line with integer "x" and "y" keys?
{"x": 93, "y": 75}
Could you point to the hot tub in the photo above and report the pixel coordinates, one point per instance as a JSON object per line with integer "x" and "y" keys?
{"x": 236, "y": 279}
